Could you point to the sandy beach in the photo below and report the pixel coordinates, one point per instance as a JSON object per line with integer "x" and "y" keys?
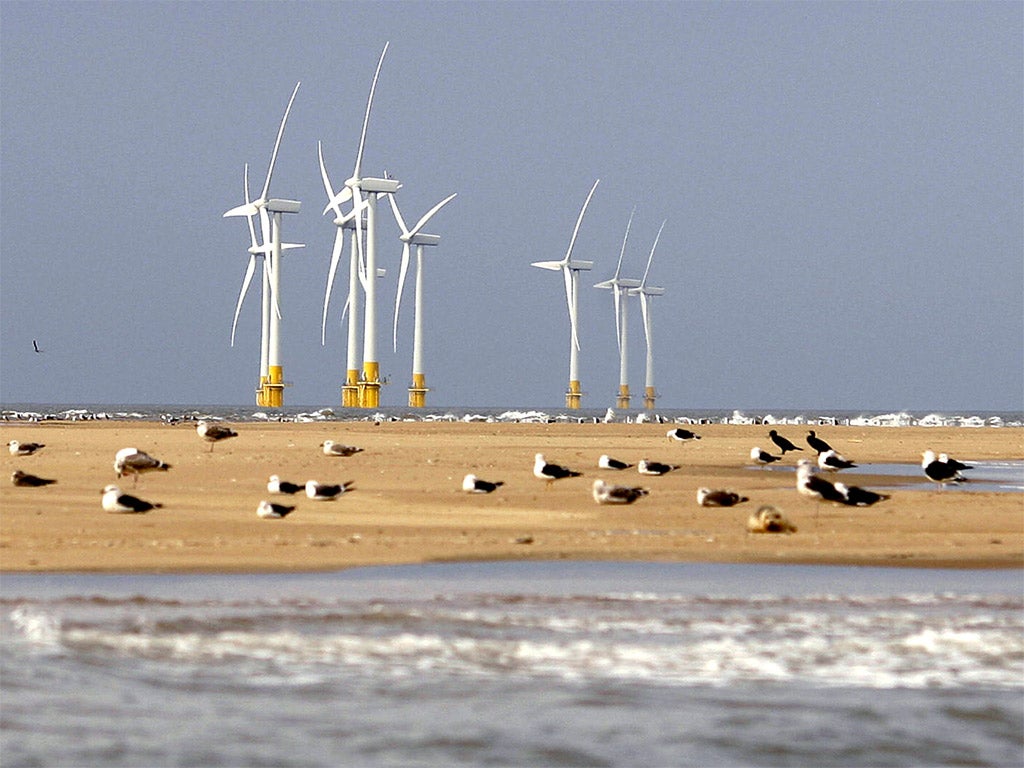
{"x": 407, "y": 506}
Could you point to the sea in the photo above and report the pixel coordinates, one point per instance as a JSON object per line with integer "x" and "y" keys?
{"x": 515, "y": 663}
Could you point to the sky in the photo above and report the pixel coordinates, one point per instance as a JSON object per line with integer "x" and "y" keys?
{"x": 842, "y": 186}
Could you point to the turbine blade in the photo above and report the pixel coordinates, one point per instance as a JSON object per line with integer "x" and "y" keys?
{"x": 579, "y": 220}
{"x": 335, "y": 201}
{"x": 617, "y": 294}
{"x": 554, "y": 266}
{"x": 332, "y": 202}
{"x": 252, "y": 228}
{"x": 647, "y": 319}
{"x": 249, "y": 270}
{"x": 569, "y": 290}
{"x": 366, "y": 117}
{"x": 431, "y": 212}
{"x": 277, "y": 144}
{"x": 358, "y": 206}
{"x": 398, "y": 296}
{"x": 268, "y": 261}
{"x": 643, "y": 282}
{"x": 398, "y": 217}
{"x": 624, "y": 238}
{"x": 241, "y": 210}
{"x": 339, "y": 244}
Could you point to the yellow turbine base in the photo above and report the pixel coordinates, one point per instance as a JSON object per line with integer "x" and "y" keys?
{"x": 350, "y": 390}
{"x": 623, "y": 401}
{"x": 369, "y": 387}
{"x": 274, "y": 388}
{"x": 573, "y": 396}
{"x": 261, "y": 392}
{"x": 418, "y": 391}
{"x": 649, "y": 397}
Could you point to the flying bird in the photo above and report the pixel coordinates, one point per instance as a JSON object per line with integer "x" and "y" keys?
{"x": 276, "y": 485}
{"x": 783, "y": 444}
{"x": 607, "y": 462}
{"x": 551, "y": 472}
{"x": 115, "y": 501}
{"x": 859, "y": 497}
{"x": 269, "y": 511}
{"x": 709, "y": 498}
{"x": 473, "y": 484}
{"x": 35, "y": 347}
{"x": 682, "y": 435}
{"x": 214, "y": 433}
{"x": 768, "y": 519}
{"x": 817, "y": 443}
{"x": 25, "y": 480}
{"x": 24, "y": 449}
{"x": 762, "y": 457}
{"x": 939, "y": 471}
{"x": 332, "y": 448}
{"x": 813, "y": 486}
{"x": 831, "y": 461}
{"x": 326, "y": 492}
{"x": 648, "y": 467}
{"x": 606, "y": 493}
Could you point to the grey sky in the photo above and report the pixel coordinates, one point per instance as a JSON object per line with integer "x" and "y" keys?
{"x": 842, "y": 183}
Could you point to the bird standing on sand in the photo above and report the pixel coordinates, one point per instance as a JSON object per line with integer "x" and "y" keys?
{"x": 25, "y": 480}
{"x": 542, "y": 470}
{"x": 115, "y": 501}
{"x": 214, "y": 433}
{"x": 326, "y": 492}
{"x": 276, "y": 485}
{"x": 24, "y": 449}
{"x": 953, "y": 463}
{"x": 332, "y": 448}
{"x": 831, "y": 461}
{"x": 132, "y": 461}
{"x": 607, "y": 462}
{"x": 762, "y": 457}
{"x": 648, "y": 467}
{"x": 859, "y": 497}
{"x": 682, "y": 435}
{"x": 709, "y": 498}
{"x": 938, "y": 471}
{"x": 473, "y": 484}
{"x": 813, "y": 486}
{"x": 269, "y": 511}
{"x": 606, "y": 493}
{"x": 783, "y": 444}
{"x": 817, "y": 443}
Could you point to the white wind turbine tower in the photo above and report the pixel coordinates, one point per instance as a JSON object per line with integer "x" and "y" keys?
{"x": 410, "y": 237}
{"x": 619, "y": 287}
{"x": 271, "y": 392}
{"x": 570, "y": 270}
{"x": 355, "y": 186}
{"x": 645, "y": 292}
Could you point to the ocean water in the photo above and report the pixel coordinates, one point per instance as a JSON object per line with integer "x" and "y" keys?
{"x": 524, "y": 664}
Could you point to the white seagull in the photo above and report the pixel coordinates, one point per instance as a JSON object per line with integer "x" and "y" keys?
{"x": 831, "y": 461}
{"x": 276, "y": 485}
{"x": 214, "y": 433}
{"x": 270, "y": 511}
{"x": 551, "y": 472}
{"x": 648, "y": 467}
{"x": 132, "y": 461}
{"x": 24, "y": 449}
{"x": 115, "y": 501}
{"x": 607, "y": 462}
{"x": 326, "y": 492}
{"x": 332, "y": 448}
{"x": 859, "y": 497}
{"x": 682, "y": 435}
{"x": 939, "y": 471}
{"x": 473, "y": 484}
{"x": 813, "y": 486}
{"x": 606, "y": 493}
{"x": 762, "y": 457}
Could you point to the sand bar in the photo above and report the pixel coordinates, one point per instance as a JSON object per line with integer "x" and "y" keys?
{"x": 408, "y": 507}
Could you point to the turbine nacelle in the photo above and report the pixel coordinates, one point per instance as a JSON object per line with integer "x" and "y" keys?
{"x": 621, "y": 282}
{"x": 264, "y": 250}
{"x": 647, "y": 290}
{"x": 380, "y": 186}
{"x": 283, "y": 206}
{"x": 580, "y": 266}
{"x": 421, "y": 239}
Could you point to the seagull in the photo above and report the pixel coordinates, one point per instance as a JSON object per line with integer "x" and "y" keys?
{"x": 682, "y": 435}
{"x": 115, "y": 501}
{"x": 24, "y": 449}
{"x": 768, "y": 519}
{"x": 938, "y": 471}
{"x": 551, "y": 472}
{"x": 324, "y": 492}
{"x": 132, "y": 461}
{"x": 606, "y": 493}
{"x": 214, "y": 433}
{"x": 832, "y": 461}
{"x": 762, "y": 457}
{"x": 332, "y": 448}
{"x": 859, "y": 497}
{"x": 25, "y": 480}
{"x": 648, "y": 467}
{"x": 473, "y": 484}
{"x": 708, "y": 498}
{"x": 277, "y": 485}
{"x": 957, "y": 465}
{"x": 270, "y": 511}
{"x": 810, "y": 484}
{"x": 35, "y": 347}
{"x": 607, "y": 462}
{"x": 783, "y": 443}
{"x": 817, "y": 443}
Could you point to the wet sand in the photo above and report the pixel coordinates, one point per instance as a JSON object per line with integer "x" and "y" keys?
{"x": 408, "y": 506}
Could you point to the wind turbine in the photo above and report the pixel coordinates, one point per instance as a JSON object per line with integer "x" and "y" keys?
{"x": 619, "y": 287}
{"x": 570, "y": 270}
{"x": 271, "y": 393}
{"x": 410, "y": 237}
{"x": 645, "y": 292}
{"x": 355, "y": 186}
